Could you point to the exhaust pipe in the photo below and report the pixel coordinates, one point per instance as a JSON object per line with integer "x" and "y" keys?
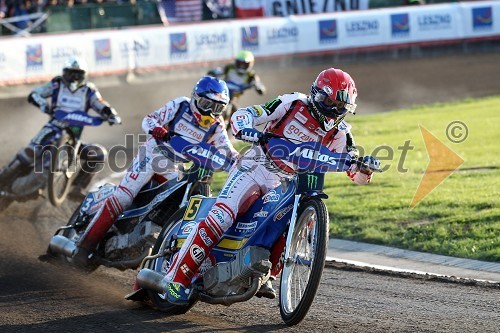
{"x": 60, "y": 244}
{"x": 151, "y": 280}
{"x": 124, "y": 264}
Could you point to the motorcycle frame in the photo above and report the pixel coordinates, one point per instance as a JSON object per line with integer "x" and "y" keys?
{"x": 292, "y": 192}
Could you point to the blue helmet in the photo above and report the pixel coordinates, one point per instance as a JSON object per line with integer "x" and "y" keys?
{"x": 209, "y": 99}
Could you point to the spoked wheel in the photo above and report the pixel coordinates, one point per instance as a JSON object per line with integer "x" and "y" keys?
{"x": 63, "y": 162}
{"x": 303, "y": 267}
{"x": 162, "y": 263}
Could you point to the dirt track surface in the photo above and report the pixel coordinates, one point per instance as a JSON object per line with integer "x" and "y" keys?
{"x": 40, "y": 297}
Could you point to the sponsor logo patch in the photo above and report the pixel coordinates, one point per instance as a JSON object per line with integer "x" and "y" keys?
{"x": 207, "y": 240}
{"x": 271, "y": 196}
{"x": 226, "y": 190}
{"x": 218, "y": 214}
{"x": 186, "y": 129}
{"x": 246, "y": 226}
{"x": 197, "y": 253}
{"x": 282, "y": 212}
{"x": 261, "y": 213}
{"x": 187, "y": 271}
{"x": 296, "y": 131}
{"x": 188, "y": 227}
{"x": 103, "y": 193}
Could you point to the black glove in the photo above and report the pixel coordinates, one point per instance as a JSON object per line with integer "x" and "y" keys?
{"x": 108, "y": 111}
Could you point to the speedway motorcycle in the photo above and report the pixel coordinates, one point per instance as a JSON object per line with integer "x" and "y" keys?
{"x": 59, "y": 163}
{"x": 239, "y": 264}
{"x": 132, "y": 236}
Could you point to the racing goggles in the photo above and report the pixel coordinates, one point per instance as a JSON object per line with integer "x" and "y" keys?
{"x": 242, "y": 65}
{"x": 74, "y": 75}
{"x": 208, "y": 107}
{"x": 335, "y": 106}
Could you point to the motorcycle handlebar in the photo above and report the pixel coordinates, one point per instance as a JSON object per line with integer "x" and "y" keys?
{"x": 358, "y": 160}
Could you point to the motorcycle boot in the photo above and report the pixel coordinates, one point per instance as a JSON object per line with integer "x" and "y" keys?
{"x": 187, "y": 261}
{"x": 266, "y": 290}
{"x": 97, "y": 228}
{"x": 177, "y": 294}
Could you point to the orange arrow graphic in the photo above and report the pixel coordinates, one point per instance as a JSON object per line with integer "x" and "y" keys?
{"x": 442, "y": 163}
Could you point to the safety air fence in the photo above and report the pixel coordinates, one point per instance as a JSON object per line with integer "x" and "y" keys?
{"x": 39, "y": 57}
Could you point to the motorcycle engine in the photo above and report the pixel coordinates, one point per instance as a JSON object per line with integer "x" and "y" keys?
{"x": 234, "y": 277}
{"x": 132, "y": 244}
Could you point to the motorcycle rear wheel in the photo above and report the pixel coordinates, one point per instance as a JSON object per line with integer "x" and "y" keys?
{"x": 63, "y": 163}
{"x": 303, "y": 268}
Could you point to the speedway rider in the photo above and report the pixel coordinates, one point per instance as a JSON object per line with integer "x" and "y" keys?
{"x": 197, "y": 119}
{"x": 317, "y": 117}
{"x": 69, "y": 92}
{"x": 239, "y": 76}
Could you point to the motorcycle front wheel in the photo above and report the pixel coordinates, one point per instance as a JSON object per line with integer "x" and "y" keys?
{"x": 63, "y": 167}
{"x": 303, "y": 268}
{"x": 162, "y": 263}
{"x": 78, "y": 226}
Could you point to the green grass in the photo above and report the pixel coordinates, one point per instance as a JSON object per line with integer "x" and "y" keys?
{"x": 461, "y": 217}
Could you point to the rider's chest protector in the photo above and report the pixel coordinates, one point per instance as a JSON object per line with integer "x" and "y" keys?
{"x": 186, "y": 125}
{"x": 71, "y": 101}
{"x": 299, "y": 125}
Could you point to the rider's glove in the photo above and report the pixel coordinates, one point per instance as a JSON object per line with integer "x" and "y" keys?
{"x": 369, "y": 164}
{"x": 108, "y": 111}
{"x": 159, "y": 133}
{"x": 114, "y": 119}
{"x": 45, "y": 109}
{"x": 260, "y": 88}
{"x": 249, "y": 135}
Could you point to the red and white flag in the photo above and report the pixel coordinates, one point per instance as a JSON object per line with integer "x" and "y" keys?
{"x": 249, "y": 8}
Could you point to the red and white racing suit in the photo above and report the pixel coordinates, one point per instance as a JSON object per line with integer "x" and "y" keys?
{"x": 288, "y": 116}
{"x": 176, "y": 116}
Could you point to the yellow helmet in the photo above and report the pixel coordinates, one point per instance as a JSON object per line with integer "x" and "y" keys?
{"x": 244, "y": 61}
